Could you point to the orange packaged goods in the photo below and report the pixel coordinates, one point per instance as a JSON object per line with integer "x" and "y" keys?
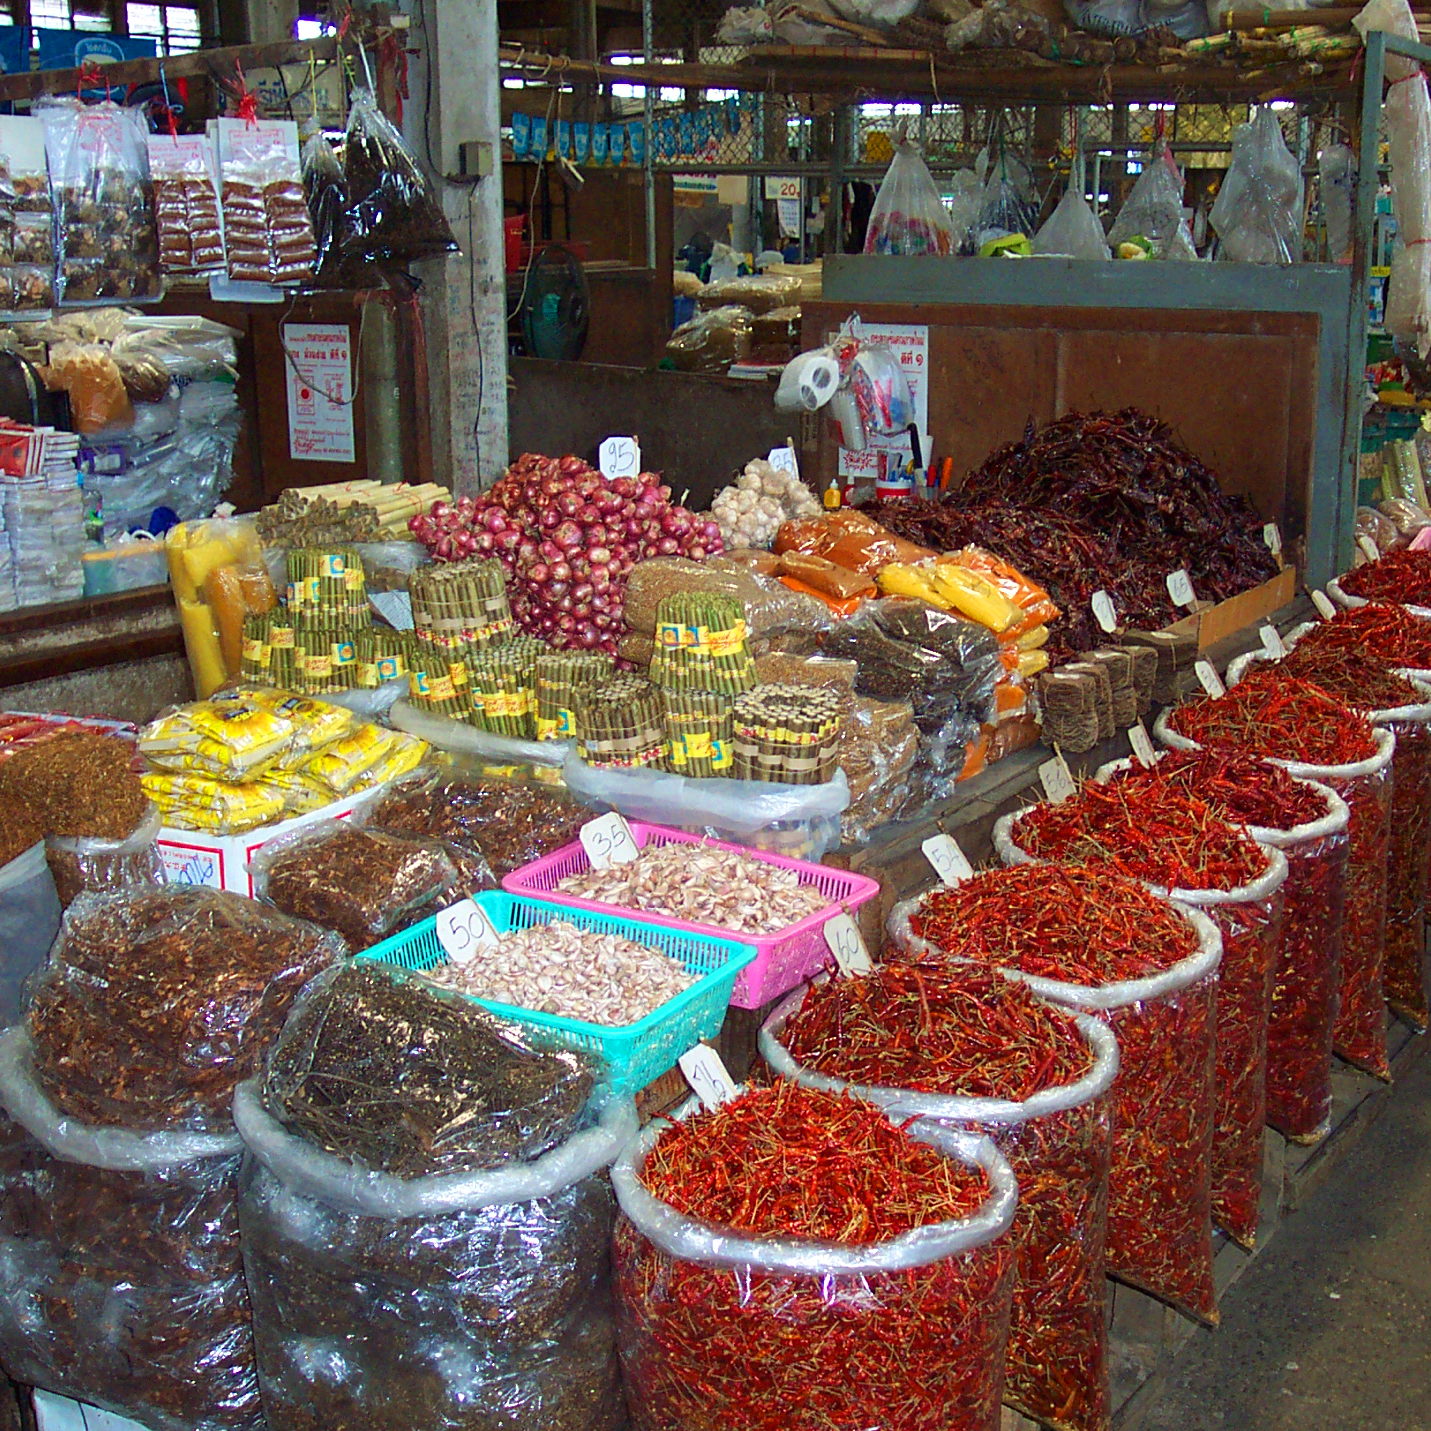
{"x": 824, "y": 576}
{"x": 849, "y": 539}
{"x": 1036, "y": 604}
{"x": 839, "y": 605}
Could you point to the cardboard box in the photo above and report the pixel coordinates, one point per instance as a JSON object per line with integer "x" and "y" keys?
{"x": 1226, "y": 618}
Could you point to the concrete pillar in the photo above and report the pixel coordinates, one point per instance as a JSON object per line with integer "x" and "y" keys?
{"x": 465, "y": 295}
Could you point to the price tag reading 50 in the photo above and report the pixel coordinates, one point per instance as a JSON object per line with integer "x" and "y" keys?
{"x": 464, "y": 931}
{"x": 608, "y": 841}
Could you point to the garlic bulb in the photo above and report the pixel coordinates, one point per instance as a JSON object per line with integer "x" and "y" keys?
{"x": 751, "y": 510}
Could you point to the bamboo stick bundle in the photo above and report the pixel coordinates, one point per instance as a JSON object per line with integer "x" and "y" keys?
{"x": 787, "y": 733}
{"x": 620, "y": 724}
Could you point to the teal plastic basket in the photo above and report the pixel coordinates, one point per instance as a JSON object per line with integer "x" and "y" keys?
{"x": 635, "y": 1054}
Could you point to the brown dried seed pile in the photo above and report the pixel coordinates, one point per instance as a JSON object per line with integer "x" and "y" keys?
{"x": 77, "y": 784}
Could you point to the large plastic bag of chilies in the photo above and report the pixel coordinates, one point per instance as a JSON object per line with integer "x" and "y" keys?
{"x": 1160, "y": 1184}
{"x": 121, "y": 1280}
{"x": 1359, "y": 1034}
{"x": 426, "y": 1218}
{"x": 1249, "y": 916}
{"x": 1308, "y": 971}
{"x": 763, "y": 1330}
{"x": 1057, "y": 1137}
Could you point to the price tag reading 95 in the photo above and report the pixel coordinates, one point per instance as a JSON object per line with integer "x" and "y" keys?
{"x": 847, "y": 944}
{"x": 1142, "y": 744}
{"x": 1272, "y": 643}
{"x": 1103, "y": 611}
{"x": 1057, "y": 780}
{"x": 465, "y": 931}
{"x": 1323, "y": 603}
{"x": 1208, "y": 679}
{"x": 707, "y": 1074}
{"x": 608, "y": 841}
{"x": 948, "y": 861}
{"x": 1180, "y": 588}
{"x": 619, "y": 457}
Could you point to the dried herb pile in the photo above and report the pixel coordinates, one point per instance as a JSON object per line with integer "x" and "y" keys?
{"x": 1239, "y": 787}
{"x": 158, "y": 1001}
{"x": 1402, "y": 576}
{"x": 380, "y": 1068}
{"x": 1097, "y": 501}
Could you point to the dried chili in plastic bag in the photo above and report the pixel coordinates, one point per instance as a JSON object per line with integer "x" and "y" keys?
{"x": 768, "y": 1331}
{"x": 395, "y": 214}
{"x": 326, "y": 190}
{"x": 1105, "y": 945}
{"x": 121, "y": 1281}
{"x": 83, "y": 864}
{"x": 1043, "y": 1097}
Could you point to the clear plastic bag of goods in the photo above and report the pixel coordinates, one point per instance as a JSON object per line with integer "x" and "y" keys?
{"x": 91, "y": 377}
{"x": 759, "y": 292}
{"x": 1072, "y": 230}
{"x": 909, "y": 1331}
{"x": 268, "y": 231}
{"x": 1187, "y": 19}
{"x": 1058, "y": 1142}
{"x": 29, "y": 921}
{"x": 712, "y": 341}
{"x": 184, "y": 171}
{"x": 156, "y": 1001}
{"x": 121, "y": 1279}
{"x": 333, "y": 219}
{"x": 1160, "y": 1186}
{"x": 1106, "y": 17}
{"x": 1380, "y": 530}
{"x": 1406, "y": 517}
{"x": 1258, "y": 210}
{"x": 875, "y": 12}
{"x": 1008, "y": 205}
{"x": 432, "y": 1246}
{"x": 1336, "y": 177}
{"x": 1153, "y": 213}
{"x": 396, "y": 216}
{"x": 909, "y": 217}
{"x": 86, "y": 863}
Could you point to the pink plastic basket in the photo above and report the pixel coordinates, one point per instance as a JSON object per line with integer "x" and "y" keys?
{"x": 782, "y": 959}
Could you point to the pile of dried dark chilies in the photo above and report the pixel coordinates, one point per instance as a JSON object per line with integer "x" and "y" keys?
{"x": 1245, "y": 789}
{"x": 705, "y": 1344}
{"x": 973, "y": 1032}
{"x": 1092, "y": 928}
{"x": 1402, "y": 576}
{"x": 1178, "y": 842}
{"x": 1294, "y": 721}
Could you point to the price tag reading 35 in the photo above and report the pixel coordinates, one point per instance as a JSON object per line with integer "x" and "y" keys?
{"x": 464, "y": 931}
{"x": 847, "y": 944}
{"x": 608, "y": 841}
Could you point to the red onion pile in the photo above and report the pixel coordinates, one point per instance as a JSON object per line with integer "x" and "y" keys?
{"x": 568, "y": 538}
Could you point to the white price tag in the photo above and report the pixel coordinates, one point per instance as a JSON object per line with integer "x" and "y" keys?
{"x": 1208, "y": 679}
{"x": 1180, "y": 588}
{"x": 1368, "y": 548}
{"x": 1272, "y": 535}
{"x": 608, "y": 841}
{"x": 1142, "y": 744}
{"x": 1272, "y": 643}
{"x": 783, "y": 460}
{"x": 949, "y": 862}
{"x": 619, "y": 457}
{"x": 1323, "y": 603}
{"x": 464, "y": 931}
{"x": 1057, "y": 780}
{"x": 1103, "y": 611}
{"x": 847, "y": 944}
{"x": 707, "y": 1074}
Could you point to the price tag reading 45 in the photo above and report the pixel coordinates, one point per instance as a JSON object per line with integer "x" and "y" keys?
{"x": 847, "y": 944}
{"x": 608, "y": 841}
{"x": 464, "y": 931}
{"x": 619, "y": 457}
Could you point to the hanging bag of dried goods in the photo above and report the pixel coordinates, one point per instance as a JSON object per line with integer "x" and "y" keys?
{"x": 1313, "y": 736}
{"x": 121, "y": 1281}
{"x": 267, "y": 229}
{"x": 908, "y": 217}
{"x": 396, "y": 217}
{"x": 1178, "y": 846}
{"x": 1308, "y": 823}
{"x": 793, "y": 1260}
{"x": 1402, "y": 704}
{"x": 973, "y": 1048}
{"x": 426, "y": 1218}
{"x": 184, "y": 171}
{"x": 327, "y": 194}
{"x": 99, "y": 166}
{"x": 1097, "y": 942}
{"x": 83, "y": 863}
{"x": 1400, "y": 578}
{"x": 29, "y": 921}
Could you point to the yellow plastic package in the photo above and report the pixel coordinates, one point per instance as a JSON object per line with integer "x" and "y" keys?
{"x": 300, "y": 793}
{"x": 229, "y": 739}
{"x": 314, "y": 723}
{"x": 198, "y": 802}
{"x": 368, "y": 756}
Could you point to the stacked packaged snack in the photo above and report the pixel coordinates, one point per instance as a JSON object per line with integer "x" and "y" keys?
{"x": 99, "y": 162}
{"x": 267, "y": 227}
{"x": 27, "y": 255}
{"x": 186, "y": 203}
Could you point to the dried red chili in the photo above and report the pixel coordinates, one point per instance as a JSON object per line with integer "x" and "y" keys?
{"x": 1293, "y": 721}
{"x": 1389, "y": 632}
{"x": 1095, "y": 929}
{"x": 1402, "y": 576}
{"x": 1177, "y": 841}
{"x": 1292, "y": 815}
{"x": 973, "y": 1033}
{"x": 708, "y": 1343}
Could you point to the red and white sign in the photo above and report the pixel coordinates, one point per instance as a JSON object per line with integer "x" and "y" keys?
{"x": 320, "y": 392}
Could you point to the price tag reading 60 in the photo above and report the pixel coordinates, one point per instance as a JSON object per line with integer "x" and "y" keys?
{"x": 847, "y": 944}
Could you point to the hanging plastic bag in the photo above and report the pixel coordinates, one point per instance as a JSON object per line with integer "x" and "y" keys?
{"x": 396, "y": 215}
{"x": 1336, "y": 174}
{"x": 333, "y": 220}
{"x": 29, "y": 921}
{"x": 1072, "y": 230}
{"x": 1258, "y": 211}
{"x": 1153, "y": 215}
{"x": 909, "y": 217}
{"x": 1007, "y": 208}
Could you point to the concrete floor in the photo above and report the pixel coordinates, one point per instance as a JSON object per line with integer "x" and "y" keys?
{"x": 1330, "y": 1329}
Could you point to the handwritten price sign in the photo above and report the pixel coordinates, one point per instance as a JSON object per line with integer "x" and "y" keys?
{"x": 947, "y": 860}
{"x": 847, "y": 944}
{"x": 608, "y": 841}
{"x": 619, "y": 457}
{"x": 464, "y": 931}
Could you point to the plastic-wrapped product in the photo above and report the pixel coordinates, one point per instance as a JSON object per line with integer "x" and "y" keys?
{"x": 121, "y": 1280}
{"x": 1072, "y": 230}
{"x": 267, "y": 228}
{"x": 333, "y": 220}
{"x": 1157, "y": 990}
{"x": 1258, "y": 210}
{"x": 29, "y": 921}
{"x": 898, "y": 1334}
{"x": 909, "y": 217}
{"x": 99, "y": 166}
{"x": 88, "y": 863}
{"x": 431, "y": 1245}
{"x": 28, "y": 286}
{"x": 761, "y": 293}
{"x": 362, "y": 884}
{"x": 1378, "y": 529}
{"x": 157, "y": 1000}
{"x": 1153, "y": 212}
{"x": 849, "y": 539}
{"x": 91, "y": 377}
{"x": 186, "y": 203}
{"x": 1053, "y": 1124}
{"x": 712, "y": 341}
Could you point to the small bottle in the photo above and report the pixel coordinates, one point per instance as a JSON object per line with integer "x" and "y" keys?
{"x": 834, "y": 497}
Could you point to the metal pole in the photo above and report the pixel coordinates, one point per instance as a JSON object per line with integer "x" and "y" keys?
{"x": 649, "y": 109}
